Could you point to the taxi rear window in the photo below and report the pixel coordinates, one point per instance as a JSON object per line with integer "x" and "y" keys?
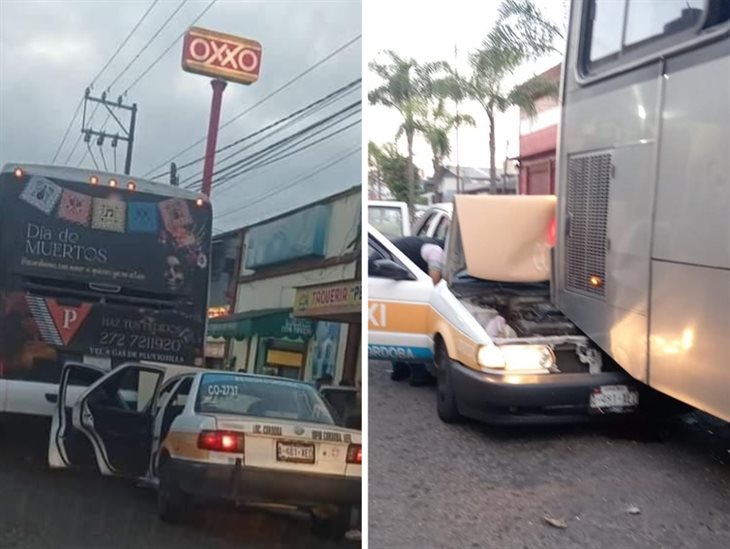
{"x": 261, "y": 397}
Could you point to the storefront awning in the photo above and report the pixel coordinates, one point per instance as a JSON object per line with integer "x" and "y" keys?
{"x": 333, "y": 302}
{"x": 277, "y": 323}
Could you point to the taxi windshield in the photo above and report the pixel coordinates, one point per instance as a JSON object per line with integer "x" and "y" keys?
{"x": 261, "y": 397}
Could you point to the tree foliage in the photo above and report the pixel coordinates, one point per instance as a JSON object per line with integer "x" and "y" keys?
{"x": 392, "y": 167}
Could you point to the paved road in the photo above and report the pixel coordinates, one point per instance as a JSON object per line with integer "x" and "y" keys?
{"x": 44, "y": 509}
{"x": 434, "y": 485}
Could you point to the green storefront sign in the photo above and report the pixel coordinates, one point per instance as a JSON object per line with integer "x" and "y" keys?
{"x": 278, "y": 324}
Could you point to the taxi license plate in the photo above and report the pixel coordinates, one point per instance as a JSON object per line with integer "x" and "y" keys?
{"x": 614, "y": 399}
{"x": 297, "y": 452}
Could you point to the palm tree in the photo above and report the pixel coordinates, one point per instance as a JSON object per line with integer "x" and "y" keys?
{"x": 520, "y": 34}
{"x": 436, "y": 129}
{"x": 406, "y": 87}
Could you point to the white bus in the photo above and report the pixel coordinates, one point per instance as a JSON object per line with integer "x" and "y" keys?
{"x": 643, "y": 256}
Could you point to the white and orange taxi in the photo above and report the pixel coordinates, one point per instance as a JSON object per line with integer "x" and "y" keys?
{"x": 203, "y": 436}
{"x": 488, "y": 331}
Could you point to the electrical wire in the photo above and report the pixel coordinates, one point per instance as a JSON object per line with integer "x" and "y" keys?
{"x": 292, "y": 117}
{"x": 304, "y": 131}
{"x": 144, "y": 48}
{"x": 284, "y": 153}
{"x": 93, "y": 81}
{"x": 168, "y": 48}
{"x": 114, "y": 55}
{"x": 261, "y": 101}
{"x": 291, "y": 184}
{"x": 88, "y": 148}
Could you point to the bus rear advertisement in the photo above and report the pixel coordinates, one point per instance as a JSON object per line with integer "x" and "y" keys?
{"x": 100, "y": 269}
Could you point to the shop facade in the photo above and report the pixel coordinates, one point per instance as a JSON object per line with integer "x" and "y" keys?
{"x": 281, "y": 262}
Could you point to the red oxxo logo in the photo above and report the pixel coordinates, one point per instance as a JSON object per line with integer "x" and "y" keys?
{"x": 221, "y": 55}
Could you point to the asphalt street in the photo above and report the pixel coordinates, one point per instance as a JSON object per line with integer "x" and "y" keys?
{"x": 58, "y": 509}
{"x": 433, "y": 485}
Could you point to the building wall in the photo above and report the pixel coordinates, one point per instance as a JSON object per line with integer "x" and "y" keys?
{"x": 275, "y": 287}
{"x": 538, "y": 143}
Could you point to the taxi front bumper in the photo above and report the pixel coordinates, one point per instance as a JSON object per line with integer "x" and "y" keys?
{"x": 247, "y": 485}
{"x": 537, "y": 398}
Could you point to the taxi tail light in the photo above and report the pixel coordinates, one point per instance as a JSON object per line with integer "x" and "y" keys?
{"x": 552, "y": 236}
{"x": 221, "y": 441}
{"x": 354, "y": 454}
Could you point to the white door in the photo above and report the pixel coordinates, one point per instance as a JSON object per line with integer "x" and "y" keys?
{"x": 398, "y": 305}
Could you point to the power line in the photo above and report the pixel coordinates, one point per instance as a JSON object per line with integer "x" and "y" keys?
{"x": 81, "y": 135}
{"x": 309, "y": 145}
{"x": 168, "y": 48}
{"x": 68, "y": 129}
{"x": 88, "y": 147}
{"x": 142, "y": 50}
{"x": 114, "y": 55}
{"x": 93, "y": 81}
{"x": 268, "y": 162}
{"x": 261, "y": 101}
{"x": 304, "y": 131}
{"x": 106, "y": 120}
{"x": 259, "y": 160}
{"x": 273, "y": 145}
{"x": 313, "y": 107}
{"x": 291, "y": 184}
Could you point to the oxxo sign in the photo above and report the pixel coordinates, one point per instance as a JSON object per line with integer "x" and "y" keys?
{"x": 221, "y": 55}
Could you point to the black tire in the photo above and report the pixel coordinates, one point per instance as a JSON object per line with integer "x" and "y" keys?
{"x": 446, "y": 405}
{"x": 171, "y": 503}
{"x": 331, "y": 528}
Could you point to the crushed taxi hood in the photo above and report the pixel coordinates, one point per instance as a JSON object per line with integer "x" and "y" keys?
{"x": 502, "y": 238}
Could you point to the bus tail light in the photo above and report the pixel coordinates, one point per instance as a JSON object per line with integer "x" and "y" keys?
{"x": 221, "y": 441}
{"x": 354, "y": 454}
{"x": 19, "y": 173}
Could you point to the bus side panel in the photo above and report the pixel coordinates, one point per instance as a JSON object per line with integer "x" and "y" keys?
{"x": 693, "y": 194}
{"x": 689, "y": 344}
{"x": 621, "y": 121}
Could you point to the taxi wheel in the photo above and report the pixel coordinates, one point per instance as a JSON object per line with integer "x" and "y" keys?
{"x": 334, "y": 527}
{"x": 171, "y": 504}
{"x": 446, "y": 406}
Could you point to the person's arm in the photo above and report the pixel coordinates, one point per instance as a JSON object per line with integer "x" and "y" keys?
{"x": 434, "y": 256}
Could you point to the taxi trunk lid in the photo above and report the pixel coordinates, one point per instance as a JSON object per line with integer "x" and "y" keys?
{"x": 292, "y": 445}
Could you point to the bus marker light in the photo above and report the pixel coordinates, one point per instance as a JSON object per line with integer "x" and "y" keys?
{"x": 94, "y": 180}
{"x": 112, "y": 182}
{"x": 199, "y": 201}
{"x": 595, "y": 281}
{"x": 18, "y": 172}
{"x": 131, "y": 185}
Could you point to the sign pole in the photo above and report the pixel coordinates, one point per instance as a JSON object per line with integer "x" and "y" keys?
{"x": 215, "y": 116}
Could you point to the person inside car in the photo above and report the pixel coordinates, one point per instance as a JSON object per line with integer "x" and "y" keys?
{"x": 428, "y": 254}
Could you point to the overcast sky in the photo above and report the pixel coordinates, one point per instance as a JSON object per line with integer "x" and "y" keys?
{"x": 431, "y": 31}
{"x": 50, "y": 51}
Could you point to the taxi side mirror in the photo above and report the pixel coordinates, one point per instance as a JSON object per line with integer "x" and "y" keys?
{"x": 385, "y": 268}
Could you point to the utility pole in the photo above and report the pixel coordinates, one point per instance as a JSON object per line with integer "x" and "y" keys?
{"x": 127, "y": 131}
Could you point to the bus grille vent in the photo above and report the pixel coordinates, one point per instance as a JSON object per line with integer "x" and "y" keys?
{"x": 589, "y": 178}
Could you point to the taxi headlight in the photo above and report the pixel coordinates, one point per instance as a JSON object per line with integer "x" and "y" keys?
{"x": 535, "y": 359}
